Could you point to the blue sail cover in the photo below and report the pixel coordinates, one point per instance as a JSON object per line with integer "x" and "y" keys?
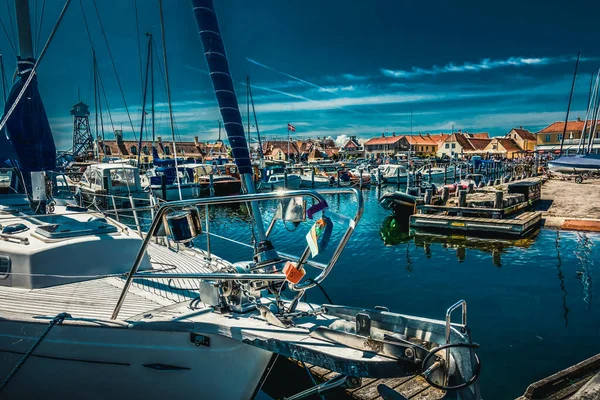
{"x": 27, "y": 129}
{"x": 214, "y": 50}
{"x": 577, "y": 162}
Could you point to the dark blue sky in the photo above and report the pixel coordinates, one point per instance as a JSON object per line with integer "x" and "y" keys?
{"x": 331, "y": 67}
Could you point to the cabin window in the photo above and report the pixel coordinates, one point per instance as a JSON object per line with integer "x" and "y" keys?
{"x": 122, "y": 177}
{"x": 96, "y": 178}
{"x": 167, "y": 150}
{"x": 4, "y": 267}
{"x": 547, "y": 138}
{"x": 107, "y": 150}
{"x": 133, "y": 150}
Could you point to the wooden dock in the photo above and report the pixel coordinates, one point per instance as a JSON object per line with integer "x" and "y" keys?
{"x": 579, "y": 382}
{"x": 411, "y": 387}
{"x": 513, "y": 227}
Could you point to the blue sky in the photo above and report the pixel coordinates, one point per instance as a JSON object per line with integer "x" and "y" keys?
{"x": 330, "y": 67}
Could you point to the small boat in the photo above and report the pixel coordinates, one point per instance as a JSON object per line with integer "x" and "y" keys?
{"x": 316, "y": 181}
{"x": 580, "y": 163}
{"x": 166, "y": 185}
{"x": 111, "y": 185}
{"x": 277, "y": 181}
{"x": 402, "y": 205}
{"x": 394, "y": 173}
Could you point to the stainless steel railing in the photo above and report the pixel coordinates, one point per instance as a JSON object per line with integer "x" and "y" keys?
{"x": 247, "y": 198}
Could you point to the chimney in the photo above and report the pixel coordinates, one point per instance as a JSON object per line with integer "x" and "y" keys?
{"x": 196, "y": 141}
{"x": 382, "y": 134}
{"x": 119, "y": 136}
{"x": 394, "y": 134}
{"x": 159, "y": 139}
{"x": 521, "y": 127}
{"x": 578, "y": 119}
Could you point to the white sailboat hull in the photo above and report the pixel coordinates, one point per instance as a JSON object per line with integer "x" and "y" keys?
{"x": 319, "y": 182}
{"x": 188, "y": 191}
{"x": 118, "y": 361}
{"x": 293, "y": 183}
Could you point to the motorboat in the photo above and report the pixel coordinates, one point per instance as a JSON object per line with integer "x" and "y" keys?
{"x": 276, "y": 181}
{"x": 394, "y": 173}
{"x": 215, "y": 182}
{"x": 309, "y": 180}
{"x": 152, "y": 315}
{"x": 112, "y": 185}
{"x": 171, "y": 183}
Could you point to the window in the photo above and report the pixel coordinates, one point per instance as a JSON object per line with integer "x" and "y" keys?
{"x": 167, "y": 150}
{"x": 133, "y": 150}
{"x": 145, "y": 150}
{"x": 547, "y": 138}
{"x": 559, "y": 137}
{"x": 448, "y": 145}
{"x": 4, "y": 267}
{"x": 453, "y": 145}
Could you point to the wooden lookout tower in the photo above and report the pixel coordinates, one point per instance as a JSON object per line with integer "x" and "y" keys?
{"x": 83, "y": 142}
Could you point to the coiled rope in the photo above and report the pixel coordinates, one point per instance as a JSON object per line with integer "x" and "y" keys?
{"x": 56, "y": 320}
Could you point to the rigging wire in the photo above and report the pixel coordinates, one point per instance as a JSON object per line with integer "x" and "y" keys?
{"x": 164, "y": 47}
{"x": 12, "y": 46}
{"x": 114, "y": 68}
{"x": 107, "y": 105}
{"x": 39, "y": 33}
{"x": 33, "y": 71}
{"x": 12, "y": 27}
{"x": 137, "y": 37}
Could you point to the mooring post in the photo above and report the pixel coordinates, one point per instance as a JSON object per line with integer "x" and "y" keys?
{"x": 498, "y": 200}
{"x": 285, "y": 183}
{"x": 397, "y": 178}
{"x": 471, "y": 187}
{"x": 312, "y": 178}
{"x": 338, "y": 178}
{"x": 462, "y": 198}
{"x": 163, "y": 187}
{"x": 454, "y": 174}
{"x": 445, "y": 194}
{"x": 211, "y": 185}
{"x": 428, "y": 196}
{"x": 379, "y": 177}
{"x": 445, "y": 173}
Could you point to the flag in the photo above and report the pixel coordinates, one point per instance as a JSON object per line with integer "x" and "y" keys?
{"x": 291, "y": 127}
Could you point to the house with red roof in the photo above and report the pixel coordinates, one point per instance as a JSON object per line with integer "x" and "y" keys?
{"x": 353, "y": 148}
{"x": 525, "y": 139}
{"x": 386, "y": 146}
{"x": 550, "y": 138}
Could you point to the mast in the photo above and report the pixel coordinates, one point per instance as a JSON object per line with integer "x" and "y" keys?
{"x": 95, "y": 72}
{"x": 152, "y": 88}
{"x": 248, "y": 110}
{"x": 214, "y": 50}
{"x": 260, "y": 151}
{"x": 164, "y": 46}
{"x": 24, "y": 29}
{"x": 569, "y": 106}
{"x": 144, "y": 95}
{"x": 594, "y": 122}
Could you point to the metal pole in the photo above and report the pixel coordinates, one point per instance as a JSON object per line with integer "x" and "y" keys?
{"x": 569, "y": 106}
{"x": 207, "y": 228}
{"x": 24, "y": 29}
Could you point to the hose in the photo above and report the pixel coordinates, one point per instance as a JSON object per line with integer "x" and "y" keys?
{"x": 468, "y": 383}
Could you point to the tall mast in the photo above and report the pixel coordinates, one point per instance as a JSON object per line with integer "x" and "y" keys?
{"x": 152, "y": 87}
{"x": 260, "y": 151}
{"x": 569, "y": 106}
{"x": 248, "y": 108}
{"x": 24, "y": 29}
{"x": 95, "y": 72}
{"x": 144, "y": 95}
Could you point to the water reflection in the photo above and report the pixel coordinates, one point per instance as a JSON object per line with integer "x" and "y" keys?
{"x": 561, "y": 278}
{"x": 583, "y": 252}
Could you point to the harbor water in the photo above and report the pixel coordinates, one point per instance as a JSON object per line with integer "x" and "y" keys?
{"x": 532, "y": 303}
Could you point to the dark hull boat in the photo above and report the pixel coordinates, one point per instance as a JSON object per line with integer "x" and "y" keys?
{"x": 402, "y": 205}
{"x": 577, "y": 163}
{"x": 222, "y": 185}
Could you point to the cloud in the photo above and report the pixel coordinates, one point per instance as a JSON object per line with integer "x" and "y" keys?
{"x": 483, "y": 65}
{"x": 352, "y": 77}
{"x": 335, "y": 89}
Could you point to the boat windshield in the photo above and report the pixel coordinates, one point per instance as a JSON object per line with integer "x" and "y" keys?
{"x": 122, "y": 177}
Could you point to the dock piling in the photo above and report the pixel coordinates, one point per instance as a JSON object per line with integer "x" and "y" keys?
{"x": 445, "y": 194}
{"x": 462, "y": 198}
{"x": 428, "y": 196}
{"x": 499, "y": 199}
{"x": 211, "y": 185}
{"x": 312, "y": 178}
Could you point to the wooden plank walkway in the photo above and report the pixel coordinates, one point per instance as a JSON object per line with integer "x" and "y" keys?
{"x": 411, "y": 387}
{"x": 517, "y": 226}
{"x": 566, "y": 383}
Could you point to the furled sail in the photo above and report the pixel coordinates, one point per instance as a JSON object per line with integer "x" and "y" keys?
{"x": 214, "y": 50}
{"x": 27, "y": 129}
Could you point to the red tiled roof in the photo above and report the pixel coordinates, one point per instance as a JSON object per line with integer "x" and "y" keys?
{"x": 463, "y": 142}
{"x": 508, "y": 144}
{"x": 123, "y": 148}
{"x": 524, "y": 134}
{"x": 421, "y": 139}
{"x": 479, "y": 144}
{"x": 559, "y": 126}
{"x": 480, "y": 135}
{"x": 383, "y": 140}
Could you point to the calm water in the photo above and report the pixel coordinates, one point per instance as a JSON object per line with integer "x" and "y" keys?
{"x": 532, "y": 304}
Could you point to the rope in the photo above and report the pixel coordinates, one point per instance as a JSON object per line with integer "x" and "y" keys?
{"x": 112, "y": 61}
{"x": 56, "y": 320}
{"x": 34, "y": 69}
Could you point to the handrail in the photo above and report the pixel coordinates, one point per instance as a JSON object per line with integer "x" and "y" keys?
{"x": 245, "y": 198}
{"x": 460, "y": 303}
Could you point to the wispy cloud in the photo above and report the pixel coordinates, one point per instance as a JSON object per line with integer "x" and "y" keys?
{"x": 352, "y": 77}
{"x": 483, "y": 65}
{"x": 335, "y": 89}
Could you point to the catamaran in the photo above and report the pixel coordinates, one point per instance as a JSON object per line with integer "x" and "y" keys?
{"x": 151, "y": 315}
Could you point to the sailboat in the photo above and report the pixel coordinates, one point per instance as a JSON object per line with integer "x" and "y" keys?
{"x": 585, "y": 161}
{"x": 152, "y": 316}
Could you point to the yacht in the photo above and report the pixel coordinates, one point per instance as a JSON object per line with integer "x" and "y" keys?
{"x": 111, "y": 185}
{"x": 394, "y": 173}
{"x": 151, "y": 315}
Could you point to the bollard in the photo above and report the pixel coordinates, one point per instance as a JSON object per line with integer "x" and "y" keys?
{"x": 490, "y": 182}
{"x": 429, "y": 178}
{"x": 211, "y": 185}
{"x": 312, "y": 178}
{"x": 471, "y": 187}
{"x": 498, "y": 199}
{"x": 445, "y": 194}
{"x": 454, "y": 175}
{"x": 428, "y": 196}
{"x": 163, "y": 187}
{"x": 497, "y": 182}
{"x": 462, "y": 198}
{"x": 285, "y": 179}
{"x": 445, "y": 173}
